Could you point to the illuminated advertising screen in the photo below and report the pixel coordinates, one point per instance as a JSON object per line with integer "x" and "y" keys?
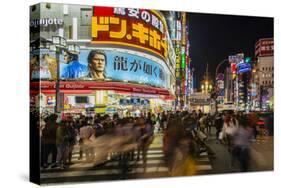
{"x": 130, "y": 27}
{"x": 102, "y": 65}
{"x": 243, "y": 67}
{"x": 124, "y": 67}
{"x": 235, "y": 58}
{"x": 43, "y": 65}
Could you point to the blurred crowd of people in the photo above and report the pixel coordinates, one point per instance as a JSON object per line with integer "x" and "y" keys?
{"x": 92, "y": 133}
{"x": 186, "y": 135}
{"x": 184, "y": 138}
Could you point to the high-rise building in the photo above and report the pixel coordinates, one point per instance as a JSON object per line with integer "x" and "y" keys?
{"x": 264, "y": 74}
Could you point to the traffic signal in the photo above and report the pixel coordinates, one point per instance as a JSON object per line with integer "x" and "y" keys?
{"x": 248, "y": 60}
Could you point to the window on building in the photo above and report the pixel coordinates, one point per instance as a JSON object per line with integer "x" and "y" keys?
{"x": 86, "y": 17}
{"x": 263, "y": 68}
{"x": 263, "y": 75}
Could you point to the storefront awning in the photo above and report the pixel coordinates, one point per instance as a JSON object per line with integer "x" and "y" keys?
{"x": 87, "y": 87}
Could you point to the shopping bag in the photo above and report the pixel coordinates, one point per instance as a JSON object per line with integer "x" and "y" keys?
{"x": 221, "y": 135}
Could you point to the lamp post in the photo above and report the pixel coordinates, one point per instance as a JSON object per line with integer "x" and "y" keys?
{"x": 216, "y": 74}
{"x": 218, "y": 66}
{"x": 59, "y": 44}
{"x": 73, "y": 48}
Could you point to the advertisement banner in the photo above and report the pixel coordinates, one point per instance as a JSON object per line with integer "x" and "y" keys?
{"x": 130, "y": 27}
{"x": 178, "y": 62}
{"x": 43, "y": 65}
{"x": 101, "y": 65}
{"x": 235, "y": 59}
{"x": 133, "y": 68}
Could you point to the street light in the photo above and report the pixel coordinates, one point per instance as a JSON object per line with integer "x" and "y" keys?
{"x": 59, "y": 41}
{"x": 74, "y": 49}
{"x": 59, "y": 44}
{"x": 217, "y": 68}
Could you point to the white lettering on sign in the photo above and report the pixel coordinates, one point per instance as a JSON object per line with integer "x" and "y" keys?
{"x": 120, "y": 11}
{"x": 46, "y": 22}
{"x": 133, "y": 12}
{"x": 73, "y": 86}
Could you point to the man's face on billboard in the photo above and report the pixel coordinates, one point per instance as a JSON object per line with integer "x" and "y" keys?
{"x": 66, "y": 58}
{"x": 98, "y": 62}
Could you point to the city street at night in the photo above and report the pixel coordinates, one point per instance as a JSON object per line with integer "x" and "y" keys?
{"x": 128, "y": 93}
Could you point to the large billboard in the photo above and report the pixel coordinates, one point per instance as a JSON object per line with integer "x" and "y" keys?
{"x": 130, "y": 28}
{"x": 99, "y": 65}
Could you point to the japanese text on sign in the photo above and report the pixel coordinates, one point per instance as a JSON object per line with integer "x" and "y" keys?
{"x": 131, "y": 27}
{"x": 144, "y": 15}
{"x": 122, "y": 63}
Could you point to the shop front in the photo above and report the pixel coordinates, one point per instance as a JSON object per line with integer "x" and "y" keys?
{"x": 86, "y": 97}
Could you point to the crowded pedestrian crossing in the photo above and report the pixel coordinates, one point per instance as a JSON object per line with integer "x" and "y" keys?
{"x": 82, "y": 170}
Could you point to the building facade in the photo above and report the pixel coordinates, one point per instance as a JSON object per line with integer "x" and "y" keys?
{"x": 264, "y": 75}
{"x": 140, "y": 70}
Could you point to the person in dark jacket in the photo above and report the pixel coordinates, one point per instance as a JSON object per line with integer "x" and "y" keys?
{"x": 48, "y": 140}
{"x": 218, "y": 125}
{"x": 72, "y": 139}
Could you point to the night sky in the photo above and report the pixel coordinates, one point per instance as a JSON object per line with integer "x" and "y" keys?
{"x": 215, "y": 37}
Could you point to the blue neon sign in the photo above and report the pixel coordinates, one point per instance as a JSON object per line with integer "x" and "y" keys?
{"x": 243, "y": 67}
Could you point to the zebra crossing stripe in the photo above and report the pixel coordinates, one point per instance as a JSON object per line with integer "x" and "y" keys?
{"x": 203, "y": 167}
{"x": 101, "y": 172}
{"x": 205, "y": 159}
{"x": 204, "y": 154}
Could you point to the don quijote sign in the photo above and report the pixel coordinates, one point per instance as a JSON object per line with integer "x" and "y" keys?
{"x": 46, "y": 24}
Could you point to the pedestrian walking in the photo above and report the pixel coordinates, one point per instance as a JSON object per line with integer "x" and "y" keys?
{"x": 241, "y": 140}
{"x": 48, "y": 141}
{"x": 62, "y": 142}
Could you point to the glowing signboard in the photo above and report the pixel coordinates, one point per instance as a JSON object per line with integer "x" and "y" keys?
{"x": 130, "y": 27}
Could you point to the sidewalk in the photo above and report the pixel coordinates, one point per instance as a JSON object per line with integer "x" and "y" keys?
{"x": 261, "y": 155}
